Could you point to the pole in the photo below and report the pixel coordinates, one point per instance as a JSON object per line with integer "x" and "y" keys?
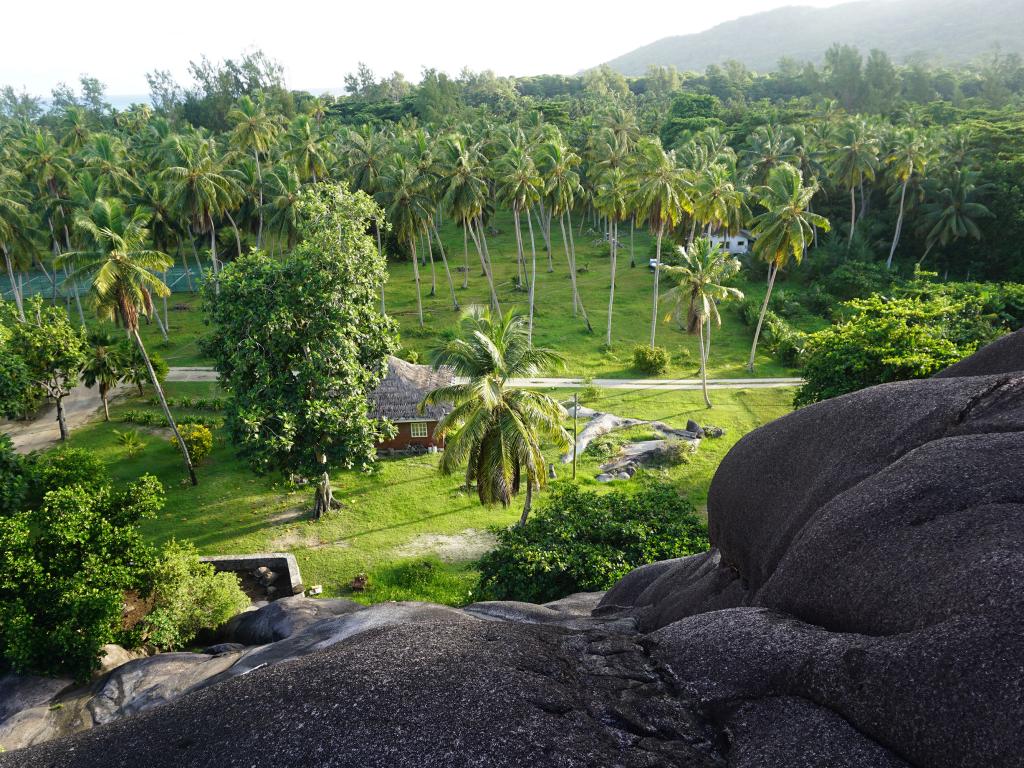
{"x": 575, "y": 410}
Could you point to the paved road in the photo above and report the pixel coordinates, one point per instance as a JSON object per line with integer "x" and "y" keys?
{"x": 200, "y": 373}
{"x": 81, "y": 406}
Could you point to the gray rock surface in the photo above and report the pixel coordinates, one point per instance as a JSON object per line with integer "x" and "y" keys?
{"x": 282, "y": 618}
{"x": 862, "y": 605}
{"x": 1004, "y": 355}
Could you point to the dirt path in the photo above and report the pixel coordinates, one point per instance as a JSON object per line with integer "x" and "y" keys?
{"x": 81, "y": 406}
{"x": 200, "y": 373}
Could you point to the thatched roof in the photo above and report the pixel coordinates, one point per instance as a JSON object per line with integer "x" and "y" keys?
{"x": 399, "y": 394}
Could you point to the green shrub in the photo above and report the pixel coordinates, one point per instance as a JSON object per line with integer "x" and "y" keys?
{"x": 650, "y": 360}
{"x": 673, "y": 454}
{"x": 778, "y": 337}
{"x": 13, "y": 477}
{"x": 197, "y": 438}
{"x": 603, "y": 447}
{"x": 144, "y": 418}
{"x": 856, "y": 279}
{"x": 885, "y": 340}
{"x": 427, "y": 579}
{"x": 131, "y": 441}
{"x": 585, "y": 541}
{"x": 188, "y": 596}
{"x": 63, "y": 467}
{"x": 65, "y": 567}
{"x": 409, "y": 355}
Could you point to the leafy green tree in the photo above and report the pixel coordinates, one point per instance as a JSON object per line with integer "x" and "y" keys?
{"x": 300, "y": 344}
{"x": 495, "y": 429}
{"x": 121, "y": 272}
{"x": 783, "y": 230}
{"x": 701, "y": 286}
{"x": 51, "y": 350}
{"x": 885, "y": 340}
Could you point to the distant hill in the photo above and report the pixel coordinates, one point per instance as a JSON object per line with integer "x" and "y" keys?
{"x": 946, "y": 31}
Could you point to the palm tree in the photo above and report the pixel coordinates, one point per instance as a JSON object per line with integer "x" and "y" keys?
{"x": 954, "y": 210}
{"x": 769, "y": 146}
{"x": 403, "y": 193}
{"x": 558, "y": 166}
{"x": 254, "y": 131}
{"x": 519, "y": 185}
{"x": 612, "y": 199}
{"x": 660, "y": 197}
{"x": 701, "y": 277}
{"x": 909, "y": 155}
{"x": 305, "y": 149}
{"x": 783, "y": 230}
{"x": 718, "y": 201}
{"x": 495, "y": 429}
{"x": 855, "y": 161}
{"x": 102, "y": 368}
{"x": 121, "y": 272}
{"x": 284, "y": 187}
{"x": 13, "y": 231}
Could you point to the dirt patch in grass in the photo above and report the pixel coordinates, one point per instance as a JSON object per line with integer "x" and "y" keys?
{"x": 465, "y": 546}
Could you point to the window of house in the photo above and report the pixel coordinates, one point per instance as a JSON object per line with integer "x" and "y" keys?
{"x": 741, "y": 243}
{"x": 418, "y": 428}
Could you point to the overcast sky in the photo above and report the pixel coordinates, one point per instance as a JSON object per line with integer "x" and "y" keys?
{"x": 318, "y": 42}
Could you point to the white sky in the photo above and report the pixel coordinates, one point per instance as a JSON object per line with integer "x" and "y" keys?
{"x": 319, "y": 42}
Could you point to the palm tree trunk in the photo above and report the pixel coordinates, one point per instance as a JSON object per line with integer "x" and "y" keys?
{"x": 259, "y": 178}
{"x": 519, "y": 248}
{"x": 899, "y": 225}
{"x": 693, "y": 231}
{"x": 106, "y": 403}
{"x": 167, "y": 319}
{"x": 546, "y": 215}
{"x": 773, "y": 270}
{"x": 433, "y": 271}
{"x": 238, "y": 238}
{"x": 707, "y": 342}
{"x": 577, "y": 299}
{"x": 14, "y": 284}
{"x": 657, "y": 274}
{"x": 533, "y": 276}
{"x": 465, "y": 254}
{"x": 703, "y": 365}
{"x": 134, "y": 331}
{"x": 444, "y": 260}
{"x": 632, "y": 255}
{"x": 528, "y": 505}
{"x": 160, "y": 324}
{"x": 853, "y": 215}
{"x": 927, "y": 250}
{"x": 480, "y": 241}
{"x": 416, "y": 277}
{"x": 380, "y": 253}
{"x": 611, "y": 289}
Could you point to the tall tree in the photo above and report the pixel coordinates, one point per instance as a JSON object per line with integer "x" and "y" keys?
{"x": 700, "y": 287}
{"x": 253, "y": 132}
{"x": 854, "y": 161}
{"x": 612, "y": 198}
{"x": 299, "y": 343}
{"x": 404, "y": 193}
{"x": 519, "y": 185}
{"x": 660, "y": 197}
{"x": 102, "y": 368}
{"x": 493, "y": 428}
{"x": 783, "y": 230}
{"x": 909, "y": 155}
{"x": 122, "y": 273}
{"x": 953, "y": 211}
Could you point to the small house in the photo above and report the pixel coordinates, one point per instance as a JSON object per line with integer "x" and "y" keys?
{"x": 397, "y": 399}
{"x": 735, "y": 244}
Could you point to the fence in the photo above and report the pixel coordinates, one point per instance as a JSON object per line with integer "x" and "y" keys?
{"x": 37, "y": 283}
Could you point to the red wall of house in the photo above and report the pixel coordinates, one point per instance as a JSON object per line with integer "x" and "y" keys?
{"x": 404, "y": 438}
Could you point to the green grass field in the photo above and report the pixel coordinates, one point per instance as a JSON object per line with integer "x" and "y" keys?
{"x": 388, "y": 517}
{"x": 555, "y": 325}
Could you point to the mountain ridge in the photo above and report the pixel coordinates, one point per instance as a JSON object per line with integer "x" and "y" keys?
{"x": 947, "y": 31}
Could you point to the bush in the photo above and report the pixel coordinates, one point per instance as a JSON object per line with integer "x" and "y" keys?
{"x": 885, "y": 340}
{"x": 778, "y": 337}
{"x": 13, "y": 479}
{"x": 188, "y": 596}
{"x": 131, "y": 441}
{"x": 673, "y": 454}
{"x": 65, "y": 568}
{"x": 585, "y": 541}
{"x": 857, "y": 279}
{"x": 60, "y": 468}
{"x": 197, "y": 438}
{"x": 650, "y": 360}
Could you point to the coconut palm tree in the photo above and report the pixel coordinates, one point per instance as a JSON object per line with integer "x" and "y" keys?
{"x": 909, "y": 155}
{"x": 769, "y": 146}
{"x": 783, "y": 230}
{"x": 612, "y": 198}
{"x": 14, "y": 218}
{"x": 404, "y": 196}
{"x": 254, "y": 132}
{"x": 121, "y": 271}
{"x": 520, "y": 186}
{"x": 700, "y": 287}
{"x": 102, "y": 368}
{"x": 719, "y": 202}
{"x": 953, "y": 211}
{"x": 284, "y": 188}
{"x": 558, "y": 165}
{"x": 854, "y": 161}
{"x": 660, "y": 197}
{"x": 494, "y": 429}
{"x": 306, "y": 150}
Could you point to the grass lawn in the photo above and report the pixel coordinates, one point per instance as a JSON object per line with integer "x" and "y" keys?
{"x": 555, "y": 325}
{"x": 389, "y": 515}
